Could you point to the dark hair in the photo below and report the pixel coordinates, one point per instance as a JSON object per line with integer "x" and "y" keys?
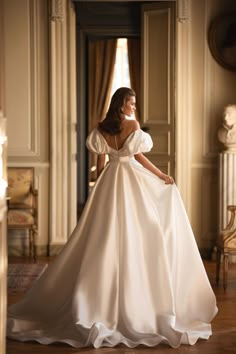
{"x": 112, "y": 122}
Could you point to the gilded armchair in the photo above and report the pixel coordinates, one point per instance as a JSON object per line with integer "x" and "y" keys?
{"x": 23, "y": 203}
{"x": 226, "y": 245}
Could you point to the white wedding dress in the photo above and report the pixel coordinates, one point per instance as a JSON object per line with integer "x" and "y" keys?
{"x": 130, "y": 273}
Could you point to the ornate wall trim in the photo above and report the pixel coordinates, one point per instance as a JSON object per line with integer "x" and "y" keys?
{"x": 57, "y": 10}
{"x": 182, "y": 10}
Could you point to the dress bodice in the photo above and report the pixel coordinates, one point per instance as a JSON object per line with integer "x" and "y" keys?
{"x": 138, "y": 141}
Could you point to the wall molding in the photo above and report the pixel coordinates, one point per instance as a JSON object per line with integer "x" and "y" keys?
{"x": 183, "y": 111}
{"x": 32, "y": 146}
{"x": 29, "y": 164}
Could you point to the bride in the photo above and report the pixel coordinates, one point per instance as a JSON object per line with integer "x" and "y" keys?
{"x": 131, "y": 272}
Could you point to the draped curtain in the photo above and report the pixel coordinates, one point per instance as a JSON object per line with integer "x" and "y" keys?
{"x": 134, "y": 57}
{"x": 102, "y": 54}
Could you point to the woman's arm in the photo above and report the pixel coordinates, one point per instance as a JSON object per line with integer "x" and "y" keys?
{"x": 100, "y": 164}
{"x": 152, "y": 168}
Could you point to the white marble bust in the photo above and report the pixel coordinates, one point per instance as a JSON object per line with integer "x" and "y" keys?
{"x": 227, "y": 132}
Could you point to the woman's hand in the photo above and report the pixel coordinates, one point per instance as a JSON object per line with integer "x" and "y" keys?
{"x": 151, "y": 167}
{"x": 167, "y": 179}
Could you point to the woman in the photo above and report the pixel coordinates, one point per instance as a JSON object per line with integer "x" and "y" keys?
{"x": 116, "y": 129}
{"x": 131, "y": 272}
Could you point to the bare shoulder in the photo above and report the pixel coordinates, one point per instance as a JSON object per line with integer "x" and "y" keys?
{"x": 132, "y": 124}
{"x": 136, "y": 124}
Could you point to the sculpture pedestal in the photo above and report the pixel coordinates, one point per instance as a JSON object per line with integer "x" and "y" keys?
{"x": 227, "y": 188}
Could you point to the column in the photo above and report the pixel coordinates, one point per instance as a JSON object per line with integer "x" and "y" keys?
{"x": 63, "y": 124}
{"x": 227, "y": 186}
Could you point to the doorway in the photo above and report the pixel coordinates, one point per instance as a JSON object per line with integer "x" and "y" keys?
{"x": 99, "y": 20}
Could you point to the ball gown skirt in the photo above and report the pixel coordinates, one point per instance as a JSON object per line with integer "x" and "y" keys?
{"x": 130, "y": 273}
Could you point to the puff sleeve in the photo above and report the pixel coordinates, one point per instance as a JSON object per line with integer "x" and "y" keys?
{"x": 95, "y": 142}
{"x": 142, "y": 143}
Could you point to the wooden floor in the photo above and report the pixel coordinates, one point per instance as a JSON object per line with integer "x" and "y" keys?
{"x": 223, "y": 340}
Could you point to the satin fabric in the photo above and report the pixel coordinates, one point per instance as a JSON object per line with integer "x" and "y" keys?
{"x": 130, "y": 273}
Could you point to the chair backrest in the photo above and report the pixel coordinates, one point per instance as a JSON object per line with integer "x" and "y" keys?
{"x": 20, "y": 185}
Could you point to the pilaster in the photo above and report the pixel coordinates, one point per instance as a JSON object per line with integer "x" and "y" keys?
{"x": 183, "y": 101}
{"x": 63, "y": 124}
{"x": 59, "y": 128}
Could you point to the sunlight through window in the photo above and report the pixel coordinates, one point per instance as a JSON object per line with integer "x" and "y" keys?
{"x": 121, "y": 71}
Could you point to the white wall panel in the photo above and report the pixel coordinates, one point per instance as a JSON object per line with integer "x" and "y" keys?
{"x": 27, "y": 103}
{"x": 26, "y": 68}
{"x": 21, "y": 91}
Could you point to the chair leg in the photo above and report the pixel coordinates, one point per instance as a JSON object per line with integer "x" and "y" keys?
{"x": 218, "y": 260}
{"x": 30, "y": 242}
{"x": 226, "y": 268}
{"x": 34, "y": 246}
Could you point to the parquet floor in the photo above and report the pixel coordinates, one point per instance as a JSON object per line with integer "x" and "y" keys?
{"x": 223, "y": 340}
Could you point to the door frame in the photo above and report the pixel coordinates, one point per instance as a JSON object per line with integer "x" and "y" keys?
{"x": 182, "y": 94}
{"x": 83, "y": 35}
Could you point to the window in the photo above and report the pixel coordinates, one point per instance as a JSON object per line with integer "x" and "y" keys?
{"x": 121, "y": 71}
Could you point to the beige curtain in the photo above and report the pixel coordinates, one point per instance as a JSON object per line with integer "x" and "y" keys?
{"x": 134, "y": 55}
{"x": 102, "y": 54}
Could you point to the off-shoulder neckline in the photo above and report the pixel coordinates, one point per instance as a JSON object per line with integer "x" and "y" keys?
{"x": 126, "y": 140}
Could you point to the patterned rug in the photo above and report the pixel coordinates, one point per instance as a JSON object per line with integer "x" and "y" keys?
{"x": 21, "y": 276}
